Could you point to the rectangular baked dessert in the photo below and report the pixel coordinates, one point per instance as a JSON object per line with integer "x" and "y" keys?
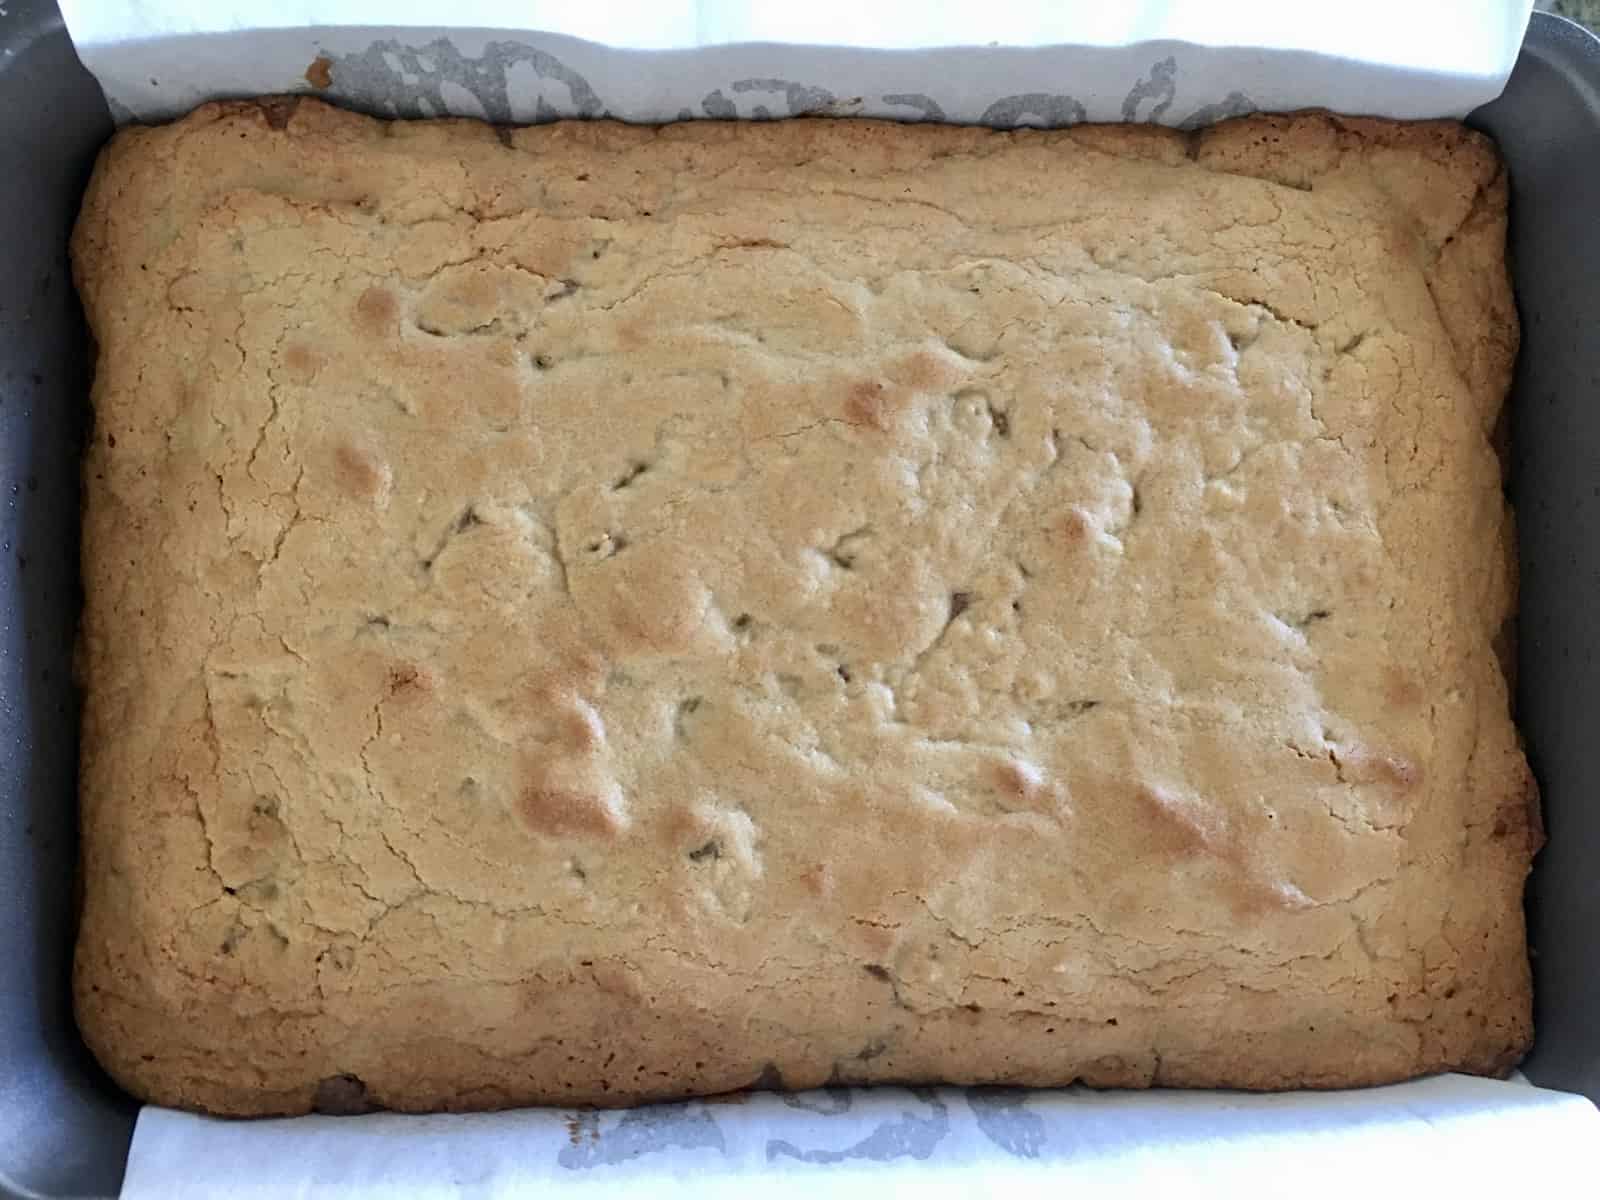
{"x": 588, "y": 613}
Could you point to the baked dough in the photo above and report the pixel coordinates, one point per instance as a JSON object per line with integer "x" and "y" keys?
{"x": 586, "y": 613}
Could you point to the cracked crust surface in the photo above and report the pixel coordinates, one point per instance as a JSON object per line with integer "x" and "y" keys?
{"x": 586, "y": 613}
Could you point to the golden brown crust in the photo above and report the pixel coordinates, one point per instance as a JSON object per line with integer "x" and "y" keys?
{"x": 604, "y": 612}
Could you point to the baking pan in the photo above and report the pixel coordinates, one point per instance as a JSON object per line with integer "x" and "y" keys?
{"x": 1548, "y": 126}
{"x": 65, "y": 1129}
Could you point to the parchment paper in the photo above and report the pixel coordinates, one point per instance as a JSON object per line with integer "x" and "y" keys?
{"x": 1036, "y": 62}
{"x": 1033, "y": 63}
{"x": 1452, "y": 1136}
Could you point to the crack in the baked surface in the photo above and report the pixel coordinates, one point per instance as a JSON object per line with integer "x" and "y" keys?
{"x": 199, "y": 805}
{"x": 404, "y": 858}
{"x": 288, "y": 526}
{"x": 273, "y": 414}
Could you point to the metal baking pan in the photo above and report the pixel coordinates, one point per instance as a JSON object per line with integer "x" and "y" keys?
{"x": 65, "y": 1128}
